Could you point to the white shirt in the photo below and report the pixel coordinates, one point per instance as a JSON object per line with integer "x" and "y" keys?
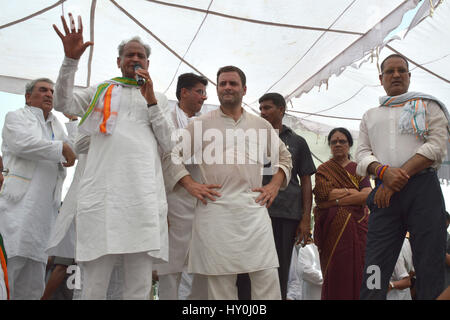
{"x": 181, "y": 207}
{"x": 121, "y": 204}
{"x": 26, "y": 224}
{"x": 62, "y": 237}
{"x": 380, "y": 140}
{"x": 305, "y": 276}
{"x": 401, "y": 270}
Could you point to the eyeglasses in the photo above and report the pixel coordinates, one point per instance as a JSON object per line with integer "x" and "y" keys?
{"x": 201, "y": 92}
{"x": 340, "y": 141}
{"x": 390, "y": 72}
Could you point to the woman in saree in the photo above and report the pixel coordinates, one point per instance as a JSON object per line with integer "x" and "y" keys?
{"x": 340, "y": 219}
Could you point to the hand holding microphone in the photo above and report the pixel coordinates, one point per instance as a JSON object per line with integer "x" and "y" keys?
{"x": 140, "y": 80}
{"x": 146, "y": 85}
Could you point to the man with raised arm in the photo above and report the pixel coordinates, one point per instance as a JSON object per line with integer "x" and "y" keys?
{"x": 122, "y": 208}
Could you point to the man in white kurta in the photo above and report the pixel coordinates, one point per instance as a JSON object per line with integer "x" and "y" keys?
{"x": 232, "y": 231}
{"x": 191, "y": 93}
{"x": 122, "y": 208}
{"x": 34, "y": 147}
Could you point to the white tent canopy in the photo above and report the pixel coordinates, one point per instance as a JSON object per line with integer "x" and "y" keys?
{"x": 289, "y": 46}
{"x": 285, "y": 46}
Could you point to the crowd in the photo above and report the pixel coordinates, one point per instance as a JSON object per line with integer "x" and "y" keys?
{"x": 217, "y": 205}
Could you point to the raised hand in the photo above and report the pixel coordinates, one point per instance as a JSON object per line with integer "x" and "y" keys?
{"x": 73, "y": 43}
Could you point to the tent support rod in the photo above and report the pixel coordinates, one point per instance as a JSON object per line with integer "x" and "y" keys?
{"x": 189, "y": 46}
{"x": 32, "y": 15}
{"x": 296, "y": 91}
{"x": 159, "y": 40}
{"x": 283, "y": 25}
{"x": 91, "y": 49}
{"x": 322, "y": 115}
{"x": 419, "y": 66}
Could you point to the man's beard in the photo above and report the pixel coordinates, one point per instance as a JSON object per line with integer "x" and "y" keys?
{"x": 236, "y": 101}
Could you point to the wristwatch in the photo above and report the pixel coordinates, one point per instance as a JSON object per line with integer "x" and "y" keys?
{"x": 392, "y": 285}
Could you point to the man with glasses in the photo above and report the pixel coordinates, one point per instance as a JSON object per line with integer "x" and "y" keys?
{"x": 402, "y": 143}
{"x": 191, "y": 93}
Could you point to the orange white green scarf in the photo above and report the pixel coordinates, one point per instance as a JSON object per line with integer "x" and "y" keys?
{"x": 413, "y": 117}
{"x": 101, "y": 115}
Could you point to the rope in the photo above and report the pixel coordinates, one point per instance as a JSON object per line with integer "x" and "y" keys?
{"x": 310, "y": 48}
{"x": 187, "y": 50}
{"x": 289, "y": 96}
{"x": 283, "y": 25}
{"x": 420, "y": 66}
{"x": 91, "y": 49}
{"x": 32, "y": 15}
{"x": 322, "y": 115}
{"x": 159, "y": 40}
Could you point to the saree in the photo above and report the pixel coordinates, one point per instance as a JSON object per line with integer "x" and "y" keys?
{"x": 340, "y": 232}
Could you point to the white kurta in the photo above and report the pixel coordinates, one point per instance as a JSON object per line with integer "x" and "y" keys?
{"x": 233, "y": 234}
{"x": 62, "y": 237}
{"x": 122, "y": 204}
{"x": 181, "y": 206}
{"x": 309, "y": 272}
{"x": 402, "y": 268}
{"x": 25, "y": 224}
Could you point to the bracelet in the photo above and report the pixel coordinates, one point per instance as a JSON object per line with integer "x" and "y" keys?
{"x": 377, "y": 168}
{"x": 383, "y": 171}
{"x": 337, "y": 202}
{"x": 151, "y": 105}
{"x": 380, "y": 170}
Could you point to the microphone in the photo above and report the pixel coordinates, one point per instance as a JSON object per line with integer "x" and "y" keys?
{"x": 139, "y": 79}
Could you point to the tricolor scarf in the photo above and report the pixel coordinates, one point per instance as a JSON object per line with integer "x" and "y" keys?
{"x": 413, "y": 117}
{"x": 103, "y": 110}
{"x": 3, "y": 262}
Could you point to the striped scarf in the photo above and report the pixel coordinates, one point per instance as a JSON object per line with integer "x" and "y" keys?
{"x": 413, "y": 117}
{"x": 103, "y": 110}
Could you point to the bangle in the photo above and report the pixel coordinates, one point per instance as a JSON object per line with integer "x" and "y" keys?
{"x": 151, "y": 105}
{"x": 376, "y": 169}
{"x": 337, "y": 202}
{"x": 383, "y": 171}
{"x": 380, "y": 170}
